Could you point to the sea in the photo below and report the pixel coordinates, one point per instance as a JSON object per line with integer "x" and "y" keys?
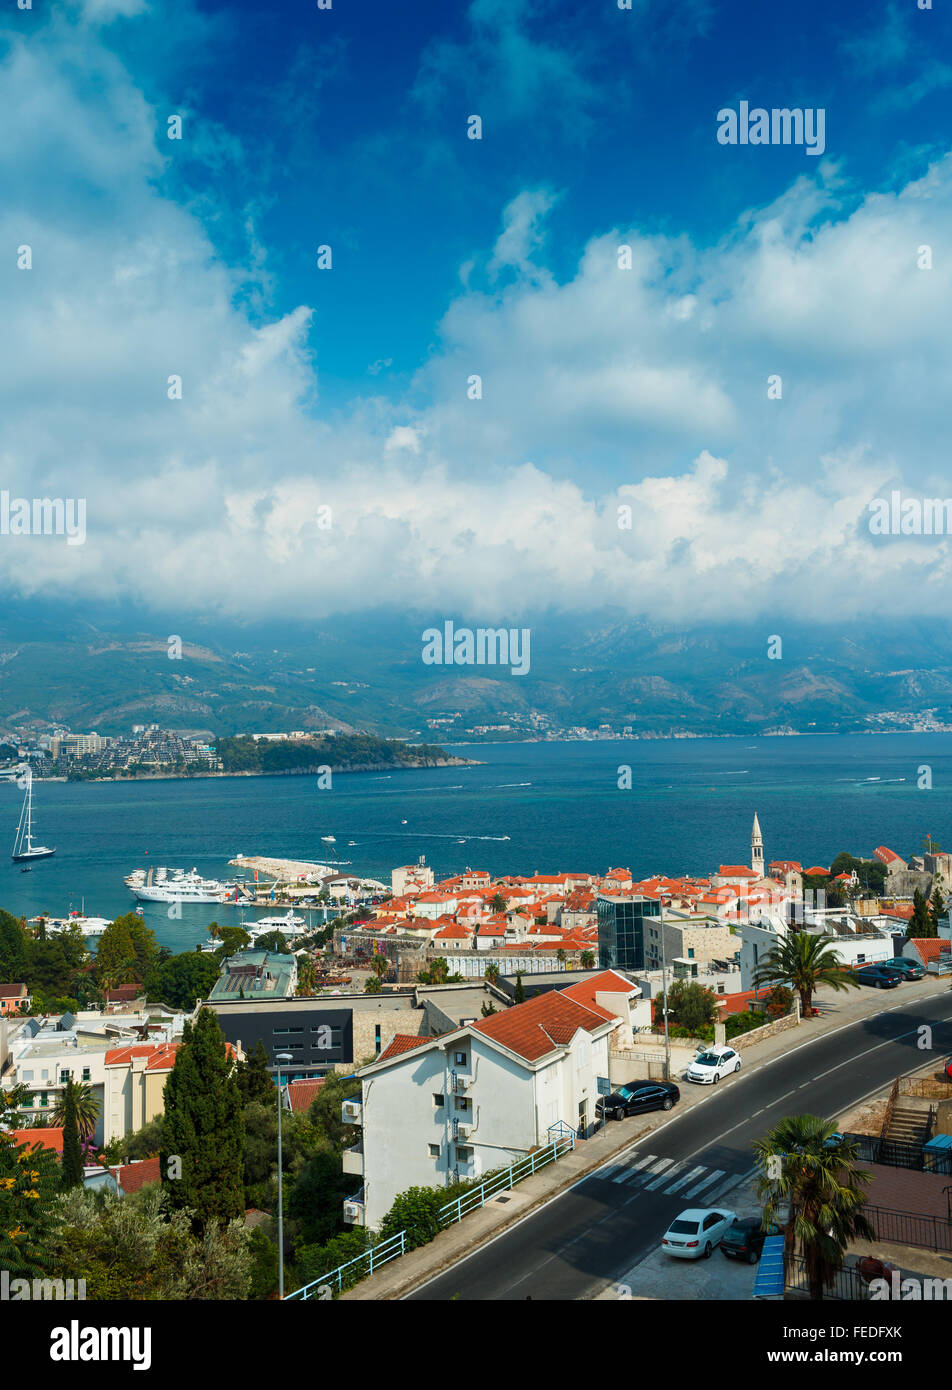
{"x": 523, "y": 808}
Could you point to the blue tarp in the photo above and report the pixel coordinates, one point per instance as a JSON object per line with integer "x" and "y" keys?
{"x": 769, "y": 1281}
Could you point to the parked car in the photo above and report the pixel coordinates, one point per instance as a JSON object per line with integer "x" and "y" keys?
{"x": 694, "y": 1234}
{"x": 745, "y": 1239}
{"x": 637, "y": 1097}
{"x": 911, "y": 969}
{"x": 882, "y": 976}
{"x": 710, "y": 1065}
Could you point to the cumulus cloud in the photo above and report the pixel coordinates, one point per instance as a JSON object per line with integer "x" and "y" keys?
{"x": 633, "y": 391}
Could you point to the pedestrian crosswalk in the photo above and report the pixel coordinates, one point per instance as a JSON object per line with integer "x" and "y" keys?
{"x": 671, "y": 1178}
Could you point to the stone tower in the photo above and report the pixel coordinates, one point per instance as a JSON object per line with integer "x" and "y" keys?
{"x": 757, "y": 848}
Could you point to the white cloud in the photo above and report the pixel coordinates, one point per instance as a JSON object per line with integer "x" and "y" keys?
{"x": 643, "y": 388}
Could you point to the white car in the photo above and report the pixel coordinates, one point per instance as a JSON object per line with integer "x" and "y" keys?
{"x": 694, "y": 1234}
{"x": 710, "y": 1065}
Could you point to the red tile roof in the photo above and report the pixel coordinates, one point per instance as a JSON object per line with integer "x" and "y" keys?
{"x": 735, "y": 871}
{"x": 301, "y": 1094}
{"x": 43, "y": 1138}
{"x": 537, "y": 1027}
{"x": 133, "y": 1176}
{"x": 402, "y": 1042}
{"x": 160, "y": 1056}
{"x": 817, "y": 869}
{"x": 930, "y": 947}
{"x": 606, "y": 982}
{"x": 12, "y": 991}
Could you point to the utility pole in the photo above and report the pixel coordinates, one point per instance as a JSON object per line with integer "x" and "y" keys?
{"x": 279, "y": 1058}
{"x": 664, "y": 995}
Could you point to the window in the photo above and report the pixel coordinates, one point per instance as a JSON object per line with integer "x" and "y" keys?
{"x": 434, "y": 1150}
{"x": 377, "y": 1038}
{"x": 64, "y": 1076}
{"x": 44, "y": 1098}
{"x": 438, "y": 1100}
{"x": 86, "y": 1074}
{"x": 460, "y": 1059}
{"x": 464, "y": 1153}
{"x": 27, "y": 1076}
{"x": 463, "y": 1104}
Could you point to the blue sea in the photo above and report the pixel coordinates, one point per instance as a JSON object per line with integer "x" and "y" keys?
{"x": 526, "y": 808}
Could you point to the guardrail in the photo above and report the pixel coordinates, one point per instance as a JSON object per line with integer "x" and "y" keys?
{"x": 504, "y": 1181}
{"x": 353, "y": 1271}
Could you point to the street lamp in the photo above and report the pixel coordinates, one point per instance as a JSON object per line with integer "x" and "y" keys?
{"x": 280, "y": 1057}
{"x": 664, "y": 995}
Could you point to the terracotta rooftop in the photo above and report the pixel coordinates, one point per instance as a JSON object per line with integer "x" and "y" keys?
{"x": 402, "y": 1042}
{"x": 301, "y": 1095}
{"x": 42, "y": 1138}
{"x": 538, "y": 1026}
{"x": 133, "y": 1176}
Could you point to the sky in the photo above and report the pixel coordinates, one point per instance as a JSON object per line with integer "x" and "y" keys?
{"x": 327, "y": 454}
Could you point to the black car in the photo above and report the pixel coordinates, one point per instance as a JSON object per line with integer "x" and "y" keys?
{"x": 909, "y": 969}
{"x": 745, "y": 1239}
{"x": 637, "y": 1097}
{"x": 882, "y": 976}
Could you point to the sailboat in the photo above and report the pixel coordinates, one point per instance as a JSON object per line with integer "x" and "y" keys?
{"x": 23, "y": 846}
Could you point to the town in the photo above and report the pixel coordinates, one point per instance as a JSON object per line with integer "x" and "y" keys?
{"x": 435, "y": 1047}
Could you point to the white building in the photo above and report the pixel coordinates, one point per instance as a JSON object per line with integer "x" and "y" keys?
{"x": 436, "y": 1110}
{"x": 854, "y": 947}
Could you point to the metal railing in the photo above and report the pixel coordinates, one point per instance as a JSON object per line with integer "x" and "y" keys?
{"x": 846, "y": 1284}
{"x": 911, "y": 1228}
{"x": 353, "y": 1271}
{"x": 504, "y": 1180}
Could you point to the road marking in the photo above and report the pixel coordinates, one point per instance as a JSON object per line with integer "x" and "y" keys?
{"x": 682, "y": 1182}
{"x": 730, "y": 1184}
{"x": 628, "y": 1172}
{"x": 705, "y": 1182}
{"x": 665, "y": 1177}
{"x": 638, "y": 1179}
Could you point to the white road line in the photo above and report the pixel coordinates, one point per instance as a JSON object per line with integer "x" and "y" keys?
{"x": 627, "y": 1171}
{"x": 637, "y": 1179}
{"x": 731, "y": 1183}
{"x": 705, "y": 1182}
{"x": 665, "y": 1177}
{"x": 683, "y": 1182}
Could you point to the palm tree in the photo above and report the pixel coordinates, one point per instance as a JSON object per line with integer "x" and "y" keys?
{"x": 804, "y": 961}
{"x": 380, "y": 964}
{"x": 588, "y": 960}
{"x": 307, "y": 977}
{"x": 88, "y": 1107}
{"x": 809, "y": 1167}
{"x": 491, "y": 973}
{"x": 560, "y": 956}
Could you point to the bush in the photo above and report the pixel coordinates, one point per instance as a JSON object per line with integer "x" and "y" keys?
{"x": 416, "y": 1212}
{"x": 313, "y": 1261}
{"x": 743, "y": 1023}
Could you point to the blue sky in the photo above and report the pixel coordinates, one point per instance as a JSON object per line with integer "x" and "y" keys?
{"x": 602, "y": 387}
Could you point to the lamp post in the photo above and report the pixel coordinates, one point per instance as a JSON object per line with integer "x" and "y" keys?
{"x": 664, "y": 994}
{"x": 280, "y": 1057}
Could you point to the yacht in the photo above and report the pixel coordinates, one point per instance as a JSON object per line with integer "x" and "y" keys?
{"x": 23, "y": 846}
{"x": 179, "y": 888}
{"x": 288, "y": 924}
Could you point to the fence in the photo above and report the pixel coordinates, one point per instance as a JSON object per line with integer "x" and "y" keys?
{"x": 504, "y": 1181}
{"x": 846, "y": 1284}
{"x": 895, "y": 1153}
{"x": 391, "y": 1249}
{"x": 911, "y": 1228}
{"x": 354, "y": 1270}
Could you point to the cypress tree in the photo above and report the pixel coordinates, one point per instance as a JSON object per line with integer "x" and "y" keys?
{"x": 519, "y": 993}
{"x": 919, "y": 923}
{"x": 72, "y": 1166}
{"x": 203, "y": 1128}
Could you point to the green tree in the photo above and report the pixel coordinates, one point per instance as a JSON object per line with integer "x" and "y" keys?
{"x": 919, "y": 923}
{"x": 691, "y": 1006}
{"x": 497, "y": 903}
{"x": 491, "y": 973}
{"x": 804, "y": 961}
{"x": 519, "y": 994}
{"x": 588, "y": 960}
{"x": 317, "y": 1197}
{"x": 29, "y": 1179}
{"x": 203, "y": 1128}
{"x": 86, "y": 1106}
{"x": 938, "y": 908}
{"x": 187, "y": 977}
{"x": 373, "y": 985}
{"x": 325, "y": 1110}
{"x": 380, "y": 965}
{"x": 255, "y": 1082}
{"x": 821, "y": 1187}
{"x": 232, "y": 940}
{"x": 274, "y": 941}
{"x": 115, "y": 952}
{"x": 14, "y": 965}
{"x": 415, "y": 1211}
{"x": 312, "y": 1261}
{"x": 72, "y": 1163}
{"x": 487, "y": 1010}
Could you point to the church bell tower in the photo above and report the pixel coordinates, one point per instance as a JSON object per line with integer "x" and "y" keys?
{"x": 757, "y": 848}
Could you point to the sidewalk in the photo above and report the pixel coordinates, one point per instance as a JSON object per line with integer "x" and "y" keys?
{"x": 396, "y": 1280}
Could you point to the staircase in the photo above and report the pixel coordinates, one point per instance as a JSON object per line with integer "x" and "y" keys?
{"x": 907, "y": 1128}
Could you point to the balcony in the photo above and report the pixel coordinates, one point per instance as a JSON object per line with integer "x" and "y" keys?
{"x": 352, "y": 1160}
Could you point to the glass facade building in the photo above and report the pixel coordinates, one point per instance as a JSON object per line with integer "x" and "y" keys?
{"x": 621, "y": 931}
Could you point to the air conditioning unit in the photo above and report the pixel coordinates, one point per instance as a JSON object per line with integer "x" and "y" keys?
{"x": 462, "y": 1133}
{"x": 351, "y": 1112}
{"x": 353, "y": 1213}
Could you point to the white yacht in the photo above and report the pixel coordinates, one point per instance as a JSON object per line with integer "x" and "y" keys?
{"x": 178, "y": 888}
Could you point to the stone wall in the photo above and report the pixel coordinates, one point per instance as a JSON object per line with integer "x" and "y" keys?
{"x": 767, "y": 1030}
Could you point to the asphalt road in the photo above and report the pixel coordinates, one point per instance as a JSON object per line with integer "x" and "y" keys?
{"x": 592, "y": 1235}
